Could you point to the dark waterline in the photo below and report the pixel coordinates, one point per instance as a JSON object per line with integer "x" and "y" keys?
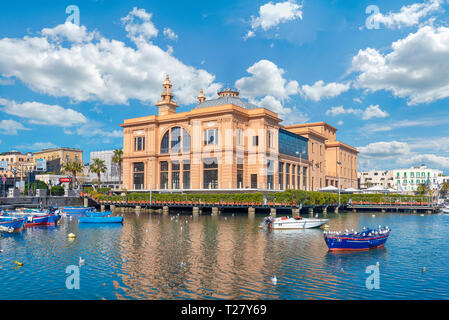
{"x": 225, "y": 257}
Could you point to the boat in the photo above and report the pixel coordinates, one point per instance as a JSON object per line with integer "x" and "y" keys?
{"x": 76, "y": 210}
{"x": 11, "y": 224}
{"x": 98, "y": 214}
{"x": 445, "y": 209}
{"x": 45, "y": 219}
{"x": 292, "y": 223}
{"x": 100, "y": 220}
{"x": 363, "y": 240}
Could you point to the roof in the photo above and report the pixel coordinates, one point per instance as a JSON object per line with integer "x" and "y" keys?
{"x": 226, "y": 100}
{"x": 311, "y": 124}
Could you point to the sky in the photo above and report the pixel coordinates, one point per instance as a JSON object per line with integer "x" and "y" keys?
{"x": 378, "y": 71}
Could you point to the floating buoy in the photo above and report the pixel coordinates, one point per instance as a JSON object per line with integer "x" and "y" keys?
{"x": 71, "y": 235}
{"x": 19, "y": 264}
{"x": 373, "y": 215}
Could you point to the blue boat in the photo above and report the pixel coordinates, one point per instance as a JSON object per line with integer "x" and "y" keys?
{"x": 77, "y": 210}
{"x": 45, "y": 219}
{"x": 10, "y": 224}
{"x": 100, "y": 220}
{"x": 98, "y": 214}
{"x": 364, "y": 240}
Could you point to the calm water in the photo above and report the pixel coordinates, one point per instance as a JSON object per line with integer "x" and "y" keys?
{"x": 225, "y": 257}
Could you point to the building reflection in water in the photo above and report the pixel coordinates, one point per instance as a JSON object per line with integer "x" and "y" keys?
{"x": 229, "y": 257}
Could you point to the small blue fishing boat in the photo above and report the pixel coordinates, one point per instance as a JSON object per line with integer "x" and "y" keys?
{"x": 45, "y": 219}
{"x": 350, "y": 240}
{"x": 100, "y": 220}
{"x": 11, "y": 224}
{"x": 98, "y": 214}
{"x": 77, "y": 210}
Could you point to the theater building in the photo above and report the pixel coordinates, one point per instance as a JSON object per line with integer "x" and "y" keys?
{"x": 224, "y": 143}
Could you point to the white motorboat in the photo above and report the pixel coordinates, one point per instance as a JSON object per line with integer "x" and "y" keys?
{"x": 292, "y": 223}
{"x": 445, "y": 209}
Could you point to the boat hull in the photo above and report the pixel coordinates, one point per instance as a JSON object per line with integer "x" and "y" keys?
{"x": 76, "y": 210}
{"x": 7, "y": 223}
{"x": 45, "y": 220}
{"x": 291, "y": 223}
{"x": 100, "y": 220}
{"x": 340, "y": 243}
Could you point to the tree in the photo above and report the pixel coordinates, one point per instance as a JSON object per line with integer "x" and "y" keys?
{"x": 422, "y": 189}
{"x": 73, "y": 168}
{"x": 444, "y": 189}
{"x": 98, "y": 166}
{"x": 117, "y": 158}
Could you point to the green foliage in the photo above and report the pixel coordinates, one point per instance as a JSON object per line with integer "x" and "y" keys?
{"x": 444, "y": 190}
{"x": 57, "y": 191}
{"x": 40, "y": 185}
{"x": 103, "y": 190}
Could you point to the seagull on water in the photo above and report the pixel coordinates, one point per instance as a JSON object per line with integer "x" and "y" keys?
{"x": 81, "y": 262}
{"x": 274, "y": 280}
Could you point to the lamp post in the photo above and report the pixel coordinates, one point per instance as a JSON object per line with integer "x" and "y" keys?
{"x": 339, "y": 186}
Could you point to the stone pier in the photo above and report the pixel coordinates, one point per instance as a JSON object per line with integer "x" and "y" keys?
{"x": 102, "y": 207}
{"x": 336, "y": 210}
{"x": 325, "y": 210}
{"x": 311, "y": 212}
{"x": 383, "y": 211}
{"x": 295, "y": 212}
{"x": 196, "y": 211}
{"x": 112, "y": 207}
{"x": 414, "y": 211}
{"x": 273, "y": 212}
{"x": 86, "y": 202}
{"x": 215, "y": 211}
{"x": 165, "y": 210}
{"x": 251, "y": 212}
{"x": 354, "y": 210}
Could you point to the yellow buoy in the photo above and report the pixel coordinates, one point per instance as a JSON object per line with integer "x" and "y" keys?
{"x": 19, "y": 264}
{"x": 71, "y": 235}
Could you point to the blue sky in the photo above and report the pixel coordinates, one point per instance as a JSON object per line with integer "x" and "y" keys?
{"x": 381, "y": 78}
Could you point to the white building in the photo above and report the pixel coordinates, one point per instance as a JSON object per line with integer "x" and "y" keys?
{"x": 412, "y": 177}
{"x": 111, "y": 177}
{"x": 409, "y": 178}
{"x": 373, "y": 178}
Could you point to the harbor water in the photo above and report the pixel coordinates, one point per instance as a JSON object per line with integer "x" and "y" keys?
{"x": 224, "y": 257}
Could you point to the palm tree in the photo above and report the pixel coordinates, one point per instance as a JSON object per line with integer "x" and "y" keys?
{"x": 73, "y": 168}
{"x": 117, "y": 158}
{"x": 98, "y": 166}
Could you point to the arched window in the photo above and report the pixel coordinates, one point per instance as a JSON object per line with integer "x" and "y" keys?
{"x": 164, "y": 143}
{"x": 175, "y": 140}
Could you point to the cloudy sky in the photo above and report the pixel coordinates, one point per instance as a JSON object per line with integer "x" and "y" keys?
{"x": 380, "y": 74}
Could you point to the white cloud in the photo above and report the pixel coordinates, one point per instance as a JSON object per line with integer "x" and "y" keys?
{"x": 417, "y": 68}
{"x": 268, "y": 88}
{"x": 70, "y": 32}
{"x": 170, "y": 34}
{"x": 11, "y": 127}
{"x": 266, "y": 80}
{"x": 408, "y": 15}
{"x": 139, "y": 26}
{"x": 271, "y": 15}
{"x": 373, "y": 111}
{"x": 388, "y": 126}
{"x": 102, "y": 70}
{"x": 319, "y": 90}
{"x": 94, "y": 128}
{"x": 37, "y": 146}
{"x": 40, "y": 113}
{"x": 384, "y": 149}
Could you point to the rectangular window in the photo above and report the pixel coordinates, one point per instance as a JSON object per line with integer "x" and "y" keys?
{"x": 255, "y": 140}
{"x": 164, "y": 174}
{"x": 138, "y": 175}
{"x": 287, "y": 175}
{"x": 211, "y": 136}
{"x": 412, "y": 175}
{"x": 239, "y": 137}
{"x": 139, "y": 143}
{"x": 239, "y": 173}
{"x": 210, "y": 173}
{"x": 186, "y": 174}
{"x": 175, "y": 175}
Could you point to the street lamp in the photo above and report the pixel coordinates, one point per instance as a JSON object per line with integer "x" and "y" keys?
{"x": 339, "y": 185}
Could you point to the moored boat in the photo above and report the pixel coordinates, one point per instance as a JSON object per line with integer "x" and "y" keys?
{"x": 100, "y": 220}
{"x": 350, "y": 240}
{"x": 11, "y": 224}
{"x": 77, "y": 210}
{"x": 292, "y": 223}
{"x": 40, "y": 220}
{"x": 98, "y": 214}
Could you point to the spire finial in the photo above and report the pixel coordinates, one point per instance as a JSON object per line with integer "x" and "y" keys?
{"x": 201, "y": 97}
